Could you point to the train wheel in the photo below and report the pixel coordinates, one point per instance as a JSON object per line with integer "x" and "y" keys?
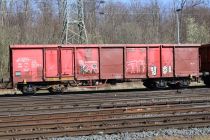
{"x": 184, "y": 83}
{"x": 56, "y": 89}
{"x": 173, "y": 86}
{"x": 149, "y": 84}
{"x": 51, "y": 90}
{"x": 179, "y": 84}
{"x": 161, "y": 84}
{"x": 206, "y": 81}
{"x": 155, "y": 84}
{"x": 29, "y": 90}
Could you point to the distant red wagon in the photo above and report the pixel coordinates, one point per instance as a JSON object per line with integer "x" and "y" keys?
{"x": 58, "y": 66}
{"x": 204, "y": 52}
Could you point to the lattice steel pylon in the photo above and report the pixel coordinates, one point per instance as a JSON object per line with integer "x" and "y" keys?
{"x": 74, "y": 30}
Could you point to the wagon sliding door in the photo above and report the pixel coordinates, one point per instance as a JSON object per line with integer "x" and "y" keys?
{"x": 51, "y": 63}
{"x": 59, "y": 63}
{"x": 154, "y": 62}
{"x": 67, "y": 64}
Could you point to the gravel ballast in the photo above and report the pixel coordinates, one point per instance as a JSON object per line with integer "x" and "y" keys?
{"x": 144, "y": 135}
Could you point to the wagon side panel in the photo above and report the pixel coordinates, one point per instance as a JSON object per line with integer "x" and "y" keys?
{"x": 27, "y": 65}
{"x": 186, "y": 61}
{"x": 167, "y": 62}
{"x": 87, "y": 63}
{"x": 135, "y": 63}
{"x": 111, "y": 63}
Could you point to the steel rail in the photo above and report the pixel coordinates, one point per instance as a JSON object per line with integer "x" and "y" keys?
{"x": 36, "y": 110}
{"x": 107, "y": 126}
{"x": 109, "y": 95}
{"x": 104, "y": 113}
{"x": 92, "y": 101}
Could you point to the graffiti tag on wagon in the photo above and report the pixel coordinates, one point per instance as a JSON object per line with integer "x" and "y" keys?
{"x": 88, "y": 67}
{"x": 26, "y": 63}
{"x": 154, "y": 70}
{"x": 135, "y": 66}
{"x": 167, "y": 69}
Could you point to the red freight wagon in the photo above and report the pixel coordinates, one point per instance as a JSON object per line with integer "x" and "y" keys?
{"x": 58, "y": 66}
{"x": 204, "y": 52}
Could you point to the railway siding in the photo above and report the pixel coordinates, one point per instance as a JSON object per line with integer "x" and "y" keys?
{"x": 87, "y": 114}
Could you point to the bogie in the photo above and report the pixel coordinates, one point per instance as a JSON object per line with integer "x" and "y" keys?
{"x": 29, "y": 89}
{"x": 155, "y": 83}
{"x": 56, "y": 88}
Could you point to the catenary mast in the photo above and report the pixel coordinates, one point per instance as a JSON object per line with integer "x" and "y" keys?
{"x": 74, "y": 30}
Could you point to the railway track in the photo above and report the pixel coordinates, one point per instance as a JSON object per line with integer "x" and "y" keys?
{"x": 69, "y": 115}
